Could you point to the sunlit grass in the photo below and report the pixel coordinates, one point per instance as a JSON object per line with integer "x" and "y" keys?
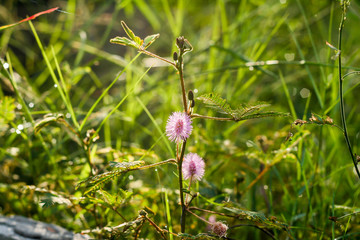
{"x": 108, "y": 88}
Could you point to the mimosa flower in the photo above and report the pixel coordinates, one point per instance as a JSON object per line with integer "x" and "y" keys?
{"x": 178, "y": 126}
{"x": 193, "y": 167}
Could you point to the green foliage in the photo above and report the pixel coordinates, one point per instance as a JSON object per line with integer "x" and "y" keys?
{"x": 95, "y": 182}
{"x": 48, "y": 119}
{"x": 257, "y": 218}
{"x": 198, "y": 236}
{"x": 134, "y": 41}
{"x": 7, "y": 111}
{"x": 49, "y": 200}
{"x": 243, "y": 112}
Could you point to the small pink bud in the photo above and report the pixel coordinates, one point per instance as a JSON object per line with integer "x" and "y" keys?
{"x": 219, "y": 229}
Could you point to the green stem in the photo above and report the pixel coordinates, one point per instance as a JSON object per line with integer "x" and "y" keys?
{"x": 180, "y": 68}
{"x": 156, "y": 164}
{"x": 212, "y": 118}
{"x": 342, "y": 110}
{"x": 87, "y": 150}
{"x": 183, "y": 207}
{"x": 158, "y": 57}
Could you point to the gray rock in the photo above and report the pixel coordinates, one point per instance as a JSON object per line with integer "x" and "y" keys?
{"x": 22, "y": 228}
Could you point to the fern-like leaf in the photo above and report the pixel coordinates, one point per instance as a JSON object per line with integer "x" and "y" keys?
{"x": 262, "y": 115}
{"x": 257, "y": 218}
{"x": 243, "y": 112}
{"x": 97, "y": 181}
{"x": 216, "y": 102}
{"x": 200, "y": 236}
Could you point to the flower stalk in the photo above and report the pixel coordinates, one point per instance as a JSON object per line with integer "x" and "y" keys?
{"x": 341, "y": 94}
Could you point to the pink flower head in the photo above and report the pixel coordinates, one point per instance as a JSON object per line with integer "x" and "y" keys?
{"x": 178, "y": 126}
{"x": 193, "y": 167}
{"x": 219, "y": 229}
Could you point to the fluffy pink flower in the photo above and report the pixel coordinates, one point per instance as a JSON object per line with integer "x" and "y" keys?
{"x": 178, "y": 126}
{"x": 193, "y": 167}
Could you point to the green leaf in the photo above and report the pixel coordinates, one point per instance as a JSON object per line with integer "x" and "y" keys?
{"x": 46, "y": 203}
{"x": 128, "y": 31}
{"x": 149, "y": 40}
{"x": 126, "y": 165}
{"x": 263, "y": 115}
{"x": 134, "y": 40}
{"x": 199, "y": 236}
{"x": 51, "y": 200}
{"x": 97, "y": 181}
{"x": 243, "y": 112}
{"x": 7, "y": 110}
{"x": 138, "y": 41}
{"x": 47, "y": 120}
{"x": 215, "y": 101}
{"x": 257, "y": 217}
{"x": 124, "y": 41}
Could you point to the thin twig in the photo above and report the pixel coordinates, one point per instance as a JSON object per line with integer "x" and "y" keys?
{"x": 212, "y": 212}
{"x": 114, "y": 209}
{"x": 156, "y": 227}
{"x": 250, "y": 225}
{"x": 158, "y": 57}
{"x": 350, "y": 73}
{"x": 212, "y": 118}
{"x": 156, "y": 164}
{"x": 202, "y": 219}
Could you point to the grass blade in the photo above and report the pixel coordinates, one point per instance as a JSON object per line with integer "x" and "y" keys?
{"x": 105, "y": 92}
{"x": 156, "y": 125}
{"x": 53, "y": 76}
{"x": 122, "y": 100}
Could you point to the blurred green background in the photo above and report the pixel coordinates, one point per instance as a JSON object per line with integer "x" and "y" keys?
{"x": 247, "y": 51}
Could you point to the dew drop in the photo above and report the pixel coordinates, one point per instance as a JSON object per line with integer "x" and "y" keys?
{"x": 55, "y": 85}
{"x": 19, "y": 107}
{"x": 31, "y": 105}
{"x": 251, "y": 68}
{"x": 305, "y": 93}
{"x": 289, "y": 56}
{"x": 6, "y": 65}
{"x": 131, "y": 177}
{"x": 20, "y": 127}
{"x": 82, "y": 35}
{"x": 12, "y": 130}
{"x": 155, "y": 169}
{"x": 68, "y": 115}
{"x": 195, "y": 90}
{"x": 18, "y": 131}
